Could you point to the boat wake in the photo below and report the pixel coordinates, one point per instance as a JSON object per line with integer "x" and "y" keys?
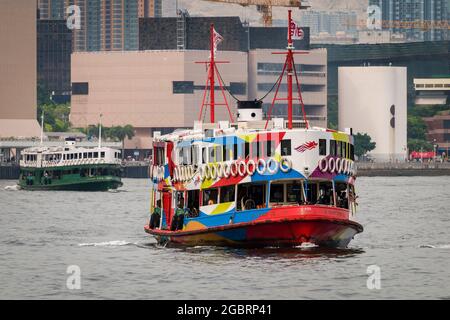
{"x": 13, "y": 188}
{"x": 114, "y": 243}
{"x": 441, "y": 246}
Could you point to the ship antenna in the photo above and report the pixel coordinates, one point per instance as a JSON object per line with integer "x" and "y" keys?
{"x": 100, "y": 132}
{"x": 42, "y": 127}
{"x": 289, "y": 68}
{"x": 211, "y": 66}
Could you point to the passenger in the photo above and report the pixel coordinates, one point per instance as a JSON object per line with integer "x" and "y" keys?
{"x": 156, "y": 216}
{"x": 243, "y": 196}
{"x": 322, "y": 197}
{"x": 178, "y": 219}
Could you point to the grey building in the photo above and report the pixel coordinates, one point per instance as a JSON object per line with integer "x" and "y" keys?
{"x": 330, "y": 22}
{"x": 417, "y": 20}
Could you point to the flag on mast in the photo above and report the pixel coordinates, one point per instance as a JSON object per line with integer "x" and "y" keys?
{"x": 217, "y": 38}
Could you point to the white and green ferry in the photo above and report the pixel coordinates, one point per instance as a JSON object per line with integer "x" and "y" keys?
{"x": 70, "y": 168}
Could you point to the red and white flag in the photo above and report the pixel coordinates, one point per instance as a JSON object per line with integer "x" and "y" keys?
{"x": 217, "y": 38}
{"x": 297, "y": 33}
{"x": 306, "y": 146}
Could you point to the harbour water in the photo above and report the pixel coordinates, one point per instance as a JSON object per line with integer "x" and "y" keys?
{"x": 406, "y": 221}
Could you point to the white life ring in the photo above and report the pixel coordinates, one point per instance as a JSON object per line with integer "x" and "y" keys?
{"x": 346, "y": 166}
{"x": 242, "y": 165}
{"x": 226, "y": 170}
{"x": 206, "y": 172}
{"x": 220, "y": 170}
{"x": 251, "y": 167}
{"x": 201, "y": 172}
{"x": 234, "y": 169}
{"x": 331, "y": 165}
{"x": 338, "y": 165}
{"x": 288, "y": 167}
{"x": 191, "y": 172}
{"x": 213, "y": 172}
{"x": 182, "y": 173}
{"x": 261, "y": 166}
{"x": 323, "y": 164}
{"x": 269, "y": 166}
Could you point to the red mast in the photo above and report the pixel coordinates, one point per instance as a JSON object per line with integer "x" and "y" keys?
{"x": 210, "y": 81}
{"x": 289, "y": 68}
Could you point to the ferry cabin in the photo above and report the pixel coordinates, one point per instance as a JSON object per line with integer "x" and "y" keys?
{"x": 46, "y": 166}
{"x": 226, "y": 174}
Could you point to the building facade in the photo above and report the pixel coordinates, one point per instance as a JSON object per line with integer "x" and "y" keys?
{"x": 418, "y": 20}
{"x": 18, "y": 69}
{"x": 330, "y": 22}
{"x": 54, "y": 47}
{"x": 106, "y": 25}
{"x": 439, "y": 132}
{"x": 149, "y": 8}
{"x": 373, "y": 100}
{"x": 151, "y": 90}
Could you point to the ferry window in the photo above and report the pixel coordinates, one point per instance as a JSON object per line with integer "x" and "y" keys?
{"x": 341, "y": 195}
{"x": 193, "y": 202}
{"x": 251, "y": 196}
{"x": 333, "y": 148}
{"x": 344, "y": 149}
{"x": 102, "y": 154}
{"x": 325, "y": 194}
{"x": 286, "y": 147}
{"x": 352, "y": 152}
{"x": 212, "y": 154}
{"x": 270, "y": 148}
{"x": 294, "y": 192}
{"x": 246, "y": 150}
{"x": 71, "y": 156}
{"x": 235, "y": 151}
{"x": 95, "y": 154}
{"x": 85, "y": 155}
{"x": 204, "y": 155}
{"x": 194, "y": 154}
{"x": 90, "y": 154}
{"x": 255, "y": 149}
{"x": 311, "y": 192}
{"x": 219, "y": 157}
{"x": 210, "y": 197}
{"x": 277, "y": 193}
{"x": 339, "y": 149}
{"x": 76, "y": 155}
{"x": 322, "y": 147}
{"x": 227, "y": 194}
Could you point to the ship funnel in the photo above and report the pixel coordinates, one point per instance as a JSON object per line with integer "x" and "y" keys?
{"x": 250, "y": 110}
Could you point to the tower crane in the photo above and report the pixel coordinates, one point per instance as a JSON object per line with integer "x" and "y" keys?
{"x": 265, "y": 6}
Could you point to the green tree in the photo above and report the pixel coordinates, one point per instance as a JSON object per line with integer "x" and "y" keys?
{"x": 363, "y": 144}
{"x": 419, "y": 145}
{"x": 332, "y": 110}
{"x": 121, "y": 133}
{"x": 56, "y": 117}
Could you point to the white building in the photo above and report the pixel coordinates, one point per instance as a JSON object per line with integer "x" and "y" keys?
{"x": 373, "y": 100}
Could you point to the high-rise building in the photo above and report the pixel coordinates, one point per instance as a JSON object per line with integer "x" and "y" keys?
{"x": 149, "y": 8}
{"x": 18, "y": 69}
{"x": 330, "y": 22}
{"x": 54, "y": 47}
{"x": 418, "y": 20}
{"x": 110, "y": 25}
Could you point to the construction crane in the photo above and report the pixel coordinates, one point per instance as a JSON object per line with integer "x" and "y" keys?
{"x": 265, "y": 6}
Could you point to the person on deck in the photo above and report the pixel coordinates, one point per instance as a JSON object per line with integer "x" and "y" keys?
{"x": 156, "y": 216}
{"x": 178, "y": 219}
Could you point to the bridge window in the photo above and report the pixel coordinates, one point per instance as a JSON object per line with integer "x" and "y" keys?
{"x": 286, "y": 147}
{"x": 333, "y": 148}
{"x": 95, "y": 154}
{"x": 322, "y": 147}
{"x": 102, "y": 154}
{"x": 251, "y": 196}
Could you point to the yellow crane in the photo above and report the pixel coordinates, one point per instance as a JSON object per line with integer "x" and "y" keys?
{"x": 265, "y": 6}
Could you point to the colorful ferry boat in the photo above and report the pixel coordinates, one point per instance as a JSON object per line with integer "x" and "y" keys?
{"x": 254, "y": 182}
{"x": 70, "y": 168}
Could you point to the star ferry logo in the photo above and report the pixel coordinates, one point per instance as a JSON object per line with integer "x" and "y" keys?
{"x": 306, "y": 146}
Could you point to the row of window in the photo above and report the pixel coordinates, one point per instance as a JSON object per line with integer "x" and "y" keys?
{"x": 188, "y": 87}
{"x": 336, "y": 149}
{"x": 232, "y": 151}
{"x": 253, "y": 195}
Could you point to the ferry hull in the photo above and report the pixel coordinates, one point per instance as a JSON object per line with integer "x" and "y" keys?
{"x": 281, "y": 233}
{"x": 90, "y": 185}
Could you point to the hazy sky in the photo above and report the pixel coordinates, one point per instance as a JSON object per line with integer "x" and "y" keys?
{"x": 208, "y": 8}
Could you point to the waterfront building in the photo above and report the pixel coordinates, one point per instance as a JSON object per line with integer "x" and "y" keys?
{"x": 439, "y": 132}
{"x": 434, "y": 90}
{"x": 373, "y": 100}
{"x": 18, "y": 69}
{"x": 149, "y": 8}
{"x": 418, "y": 20}
{"x": 329, "y": 22}
{"x": 54, "y": 47}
